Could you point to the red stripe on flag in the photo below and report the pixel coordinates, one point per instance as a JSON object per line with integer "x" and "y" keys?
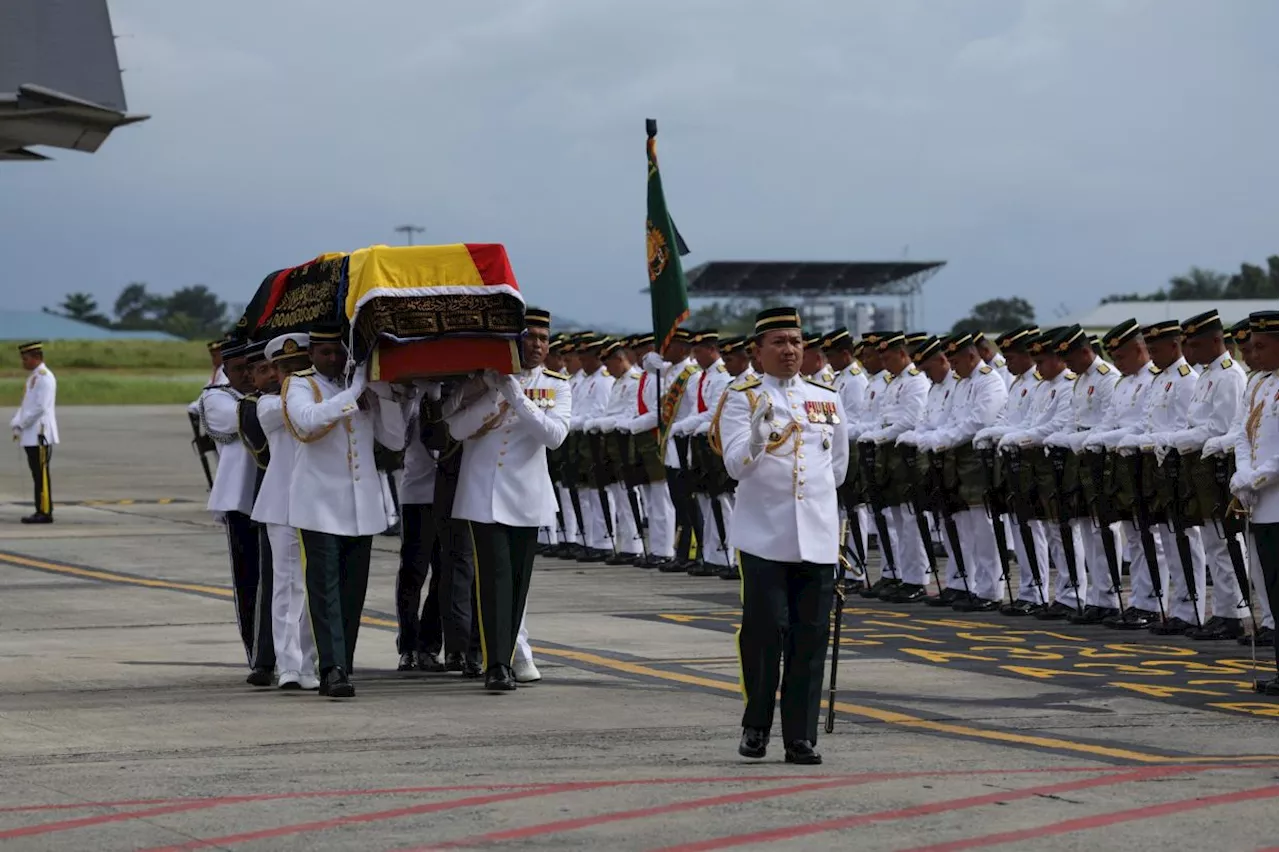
{"x": 492, "y": 263}
{"x": 277, "y": 290}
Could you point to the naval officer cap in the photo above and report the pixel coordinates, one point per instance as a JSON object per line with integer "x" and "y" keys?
{"x": 1018, "y": 338}
{"x": 1071, "y": 337}
{"x": 1121, "y": 334}
{"x": 925, "y": 350}
{"x": 28, "y": 348}
{"x": 642, "y": 340}
{"x": 776, "y": 319}
{"x": 915, "y": 338}
{"x": 886, "y": 340}
{"x": 234, "y": 348}
{"x": 288, "y": 345}
{"x": 1264, "y": 322}
{"x": 1163, "y": 330}
{"x": 537, "y": 318}
{"x": 589, "y": 340}
{"x": 1208, "y": 322}
{"x": 327, "y": 332}
{"x": 214, "y": 345}
{"x": 683, "y": 335}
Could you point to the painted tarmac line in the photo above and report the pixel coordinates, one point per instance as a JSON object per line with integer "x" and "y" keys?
{"x": 592, "y": 659}
{"x": 1101, "y": 820}
{"x": 793, "y": 832}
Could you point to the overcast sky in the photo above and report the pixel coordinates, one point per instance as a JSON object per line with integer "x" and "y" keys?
{"x": 1058, "y": 149}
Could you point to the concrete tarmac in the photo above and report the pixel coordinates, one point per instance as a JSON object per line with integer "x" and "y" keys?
{"x": 125, "y": 722}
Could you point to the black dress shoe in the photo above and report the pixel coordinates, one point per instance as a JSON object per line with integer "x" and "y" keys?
{"x": 471, "y": 669}
{"x": 336, "y": 684}
{"x": 1018, "y": 608}
{"x": 408, "y": 662}
{"x": 1054, "y": 611}
{"x": 1267, "y": 687}
{"x": 853, "y": 585}
{"x": 754, "y": 743}
{"x": 975, "y": 604}
{"x": 499, "y": 678}
{"x": 1089, "y": 616}
{"x": 874, "y": 590}
{"x": 1265, "y": 638}
{"x": 38, "y": 518}
{"x": 702, "y": 569}
{"x": 673, "y": 566}
{"x": 946, "y": 597}
{"x": 259, "y": 677}
{"x": 905, "y": 593}
{"x": 802, "y": 753}
{"x": 729, "y": 572}
{"x": 1172, "y": 627}
{"x": 1132, "y": 619}
{"x": 1218, "y": 629}
{"x": 453, "y": 662}
{"x": 429, "y": 662}
{"x": 617, "y": 559}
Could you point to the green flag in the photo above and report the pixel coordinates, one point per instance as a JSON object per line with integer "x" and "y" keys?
{"x": 667, "y": 285}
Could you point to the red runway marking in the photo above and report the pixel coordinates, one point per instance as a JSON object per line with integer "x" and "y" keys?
{"x": 794, "y": 831}
{"x": 1101, "y": 820}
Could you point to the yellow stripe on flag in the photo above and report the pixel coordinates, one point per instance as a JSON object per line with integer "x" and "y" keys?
{"x": 407, "y": 268}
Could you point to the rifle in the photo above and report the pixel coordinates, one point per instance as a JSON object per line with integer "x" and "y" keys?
{"x": 867, "y": 458}
{"x": 202, "y": 444}
{"x": 1022, "y": 513}
{"x": 571, "y": 480}
{"x": 1230, "y": 524}
{"x": 687, "y": 486}
{"x": 948, "y": 520}
{"x": 593, "y": 444}
{"x": 1058, "y": 458}
{"x": 855, "y": 556}
{"x": 841, "y": 566}
{"x": 995, "y": 504}
{"x": 1172, "y": 469}
{"x": 702, "y": 451}
{"x": 918, "y": 509}
{"x": 628, "y": 478}
{"x": 1142, "y": 517}
{"x": 1104, "y": 517}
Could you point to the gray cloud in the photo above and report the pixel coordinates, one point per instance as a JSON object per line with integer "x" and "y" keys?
{"x": 1061, "y": 149}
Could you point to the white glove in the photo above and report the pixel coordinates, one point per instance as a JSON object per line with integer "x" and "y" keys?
{"x": 1010, "y": 441}
{"x": 907, "y": 438}
{"x": 1212, "y": 447}
{"x": 491, "y": 379}
{"x": 632, "y": 426}
{"x": 1129, "y": 445}
{"x": 509, "y": 387}
{"x": 703, "y": 429}
{"x": 358, "y": 383}
{"x": 680, "y": 428}
{"x": 605, "y": 424}
{"x": 432, "y": 390}
{"x": 653, "y": 362}
{"x": 761, "y": 427}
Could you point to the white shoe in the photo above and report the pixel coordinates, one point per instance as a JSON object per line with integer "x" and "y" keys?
{"x": 526, "y": 672}
{"x": 309, "y": 681}
{"x": 289, "y": 680}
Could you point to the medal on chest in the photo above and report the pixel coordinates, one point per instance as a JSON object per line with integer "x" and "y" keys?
{"x": 821, "y": 412}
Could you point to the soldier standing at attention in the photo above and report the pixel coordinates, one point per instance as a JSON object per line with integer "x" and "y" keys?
{"x": 507, "y": 424}
{"x": 336, "y": 498}
{"x": 784, "y": 440}
{"x": 35, "y": 426}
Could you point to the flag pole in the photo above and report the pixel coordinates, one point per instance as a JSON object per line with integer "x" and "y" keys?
{"x": 651, "y": 132}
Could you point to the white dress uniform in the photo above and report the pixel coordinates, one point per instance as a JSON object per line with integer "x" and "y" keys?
{"x": 866, "y": 416}
{"x": 290, "y": 621}
{"x": 1215, "y": 406}
{"x": 851, "y": 385}
{"x": 1255, "y": 481}
{"x": 901, "y": 410}
{"x": 620, "y": 407}
{"x": 35, "y": 427}
{"x": 706, "y": 389}
{"x": 590, "y": 399}
{"x": 657, "y": 495}
{"x": 976, "y": 403}
{"x": 1001, "y": 368}
{"x": 1090, "y": 404}
{"x": 1050, "y": 413}
{"x": 937, "y": 409}
{"x": 670, "y": 373}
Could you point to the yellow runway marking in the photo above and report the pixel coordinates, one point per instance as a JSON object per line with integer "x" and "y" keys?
{"x": 876, "y": 714}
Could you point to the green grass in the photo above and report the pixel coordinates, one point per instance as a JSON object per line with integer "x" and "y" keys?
{"x": 155, "y": 355}
{"x": 107, "y": 387}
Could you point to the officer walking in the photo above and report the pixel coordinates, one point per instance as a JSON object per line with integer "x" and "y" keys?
{"x": 36, "y": 428}
{"x": 784, "y": 440}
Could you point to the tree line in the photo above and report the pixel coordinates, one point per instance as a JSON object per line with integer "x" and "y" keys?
{"x": 188, "y": 312}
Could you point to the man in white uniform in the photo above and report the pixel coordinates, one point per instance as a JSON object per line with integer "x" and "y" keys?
{"x": 784, "y": 441}
{"x": 36, "y": 428}
{"x": 603, "y": 444}
{"x": 590, "y": 400}
{"x": 507, "y": 424}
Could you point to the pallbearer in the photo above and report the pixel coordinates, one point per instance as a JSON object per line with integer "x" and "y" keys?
{"x": 507, "y": 424}
{"x": 35, "y": 426}
{"x": 784, "y": 440}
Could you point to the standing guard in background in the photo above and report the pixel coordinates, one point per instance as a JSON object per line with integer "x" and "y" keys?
{"x": 860, "y": 481}
{"x": 231, "y": 498}
{"x": 35, "y": 427}
{"x": 785, "y": 443}
{"x": 1215, "y": 405}
{"x": 994, "y": 359}
{"x": 590, "y": 399}
{"x": 337, "y": 500}
{"x": 814, "y": 366}
{"x": 612, "y": 451}
{"x": 506, "y": 424}
{"x": 851, "y": 385}
{"x": 295, "y": 650}
{"x": 643, "y": 426}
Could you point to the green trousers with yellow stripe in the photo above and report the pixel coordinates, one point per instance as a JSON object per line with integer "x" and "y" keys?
{"x": 504, "y": 564}
{"x": 38, "y": 461}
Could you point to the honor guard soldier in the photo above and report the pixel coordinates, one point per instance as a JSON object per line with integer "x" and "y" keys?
{"x": 991, "y": 355}
{"x": 1090, "y": 403}
{"x": 784, "y": 441}
{"x": 605, "y": 447}
{"x": 231, "y": 498}
{"x": 1215, "y": 404}
{"x": 295, "y": 650}
{"x": 977, "y": 400}
{"x": 36, "y": 428}
{"x": 590, "y": 399}
{"x": 506, "y": 424}
{"x": 643, "y": 426}
{"x": 336, "y": 499}
{"x": 860, "y": 478}
{"x": 1254, "y": 483}
{"x": 815, "y": 364}
{"x": 1167, "y": 406}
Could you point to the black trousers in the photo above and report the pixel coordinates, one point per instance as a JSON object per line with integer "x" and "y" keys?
{"x": 264, "y": 648}
{"x": 504, "y": 564}
{"x": 688, "y": 514}
{"x": 786, "y": 611}
{"x": 1266, "y": 538}
{"x": 428, "y": 539}
{"x": 38, "y": 460}
{"x": 246, "y": 561}
{"x": 335, "y": 570}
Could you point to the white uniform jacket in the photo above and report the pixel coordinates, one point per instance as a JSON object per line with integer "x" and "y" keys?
{"x": 35, "y": 417}
{"x": 1215, "y": 405}
{"x": 504, "y": 478}
{"x": 237, "y": 472}
{"x": 851, "y": 384}
{"x": 1256, "y": 447}
{"x": 903, "y": 406}
{"x": 706, "y": 387}
{"x": 1127, "y": 415}
{"x": 1167, "y": 403}
{"x": 1090, "y": 403}
{"x": 977, "y": 402}
{"x": 785, "y": 509}
{"x": 336, "y": 488}
{"x": 272, "y": 505}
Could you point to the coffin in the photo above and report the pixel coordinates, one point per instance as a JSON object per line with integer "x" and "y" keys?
{"x": 423, "y": 359}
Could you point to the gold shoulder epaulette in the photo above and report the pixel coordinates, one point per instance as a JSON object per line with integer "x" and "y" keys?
{"x": 984, "y": 369}
{"x": 1104, "y": 368}
{"x": 823, "y": 385}
{"x": 1227, "y": 363}
{"x": 1036, "y": 375}
{"x": 1071, "y": 377}
{"x": 1184, "y": 371}
{"x": 912, "y": 371}
{"x": 1155, "y": 371}
{"x": 746, "y": 384}
{"x": 310, "y": 371}
{"x": 855, "y": 370}
{"x": 721, "y": 368}
{"x": 553, "y": 374}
